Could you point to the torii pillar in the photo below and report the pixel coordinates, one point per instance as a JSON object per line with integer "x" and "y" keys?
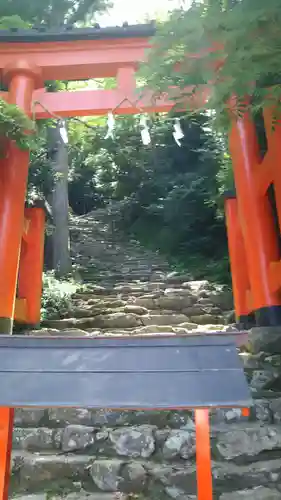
{"x": 22, "y": 79}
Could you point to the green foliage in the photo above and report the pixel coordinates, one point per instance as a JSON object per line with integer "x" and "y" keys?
{"x": 15, "y": 125}
{"x": 14, "y": 21}
{"x": 170, "y": 199}
{"x": 245, "y": 60}
{"x": 56, "y": 297}
{"x": 170, "y": 195}
{"x": 52, "y": 13}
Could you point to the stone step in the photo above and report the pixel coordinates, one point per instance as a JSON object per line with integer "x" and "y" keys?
{"x": 53, "y": 472}
{"x": 78, "y": 495}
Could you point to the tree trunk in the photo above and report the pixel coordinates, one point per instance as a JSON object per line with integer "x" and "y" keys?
{"x": 61, "y": 247}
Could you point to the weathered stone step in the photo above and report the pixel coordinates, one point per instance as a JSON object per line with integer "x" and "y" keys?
{"x": 79, "y": 495}
{"x": 31, "y": 473}
{"x": 258, "y": 493}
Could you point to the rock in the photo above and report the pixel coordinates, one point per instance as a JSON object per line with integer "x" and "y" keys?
{"x": 43, "y": 332}
{"x": 106, "y": 474}
{"x": 135, "y": 309}
{"x": 187, "y": 326}
{"x": 262, "y": 411}
{"x": 77, "y": 437}
{"x": 198, "y": 286}
{"x": 134, "y": 477}
{"x": 79, "y": 312}
{"x": 204, "y": 319}
{"x": 177, "y": 293}
{"x": 248, "y": 442}
{"x": 117, "y": 320}
{"x": 98, "y": 290}
{"x": 180, "y": 443}
{"x": 265, "y": 379}
{"x": 81, "y": 495}
{"x": 175, "y": 278}
{"x": 205, "y": 302}
{"x": 175, "y": 475}
{"x": 193, "y": 311}
{"x": 143, "y": 330}
{"x": 67, "y": 416}
{"x": 259, "y": 493}
{"x": 157, "y": 276}
{"x": 177, "y": 494}
{"x": 29, "y": 418}
{"x": 223, "y": 299}
{"x": 213, "y": 328}
{"x": 275, "y": 407}
{"x": 63, "y": 324}
{"x": 158, "y": 285}
{"x": 133, "y": 442}
{"x": 229, "y": 415}
{"x": 265, "y": 339}
{"x": 163, "y": 319}
{"x": 230, "y": 476}
{"x": 146, "y": 302}
{"x": 34, "y": 470}
{"x": 37, "y": 439}
{"x": 175, "y": 303}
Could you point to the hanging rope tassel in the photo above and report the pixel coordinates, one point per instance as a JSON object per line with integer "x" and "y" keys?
{"x": 110, "y": 126}
{"x": 145, "y": 135}
{"x": 178, "y": 133}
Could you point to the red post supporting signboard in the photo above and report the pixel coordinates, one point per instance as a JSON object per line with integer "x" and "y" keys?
{"x": 203, "y": 455}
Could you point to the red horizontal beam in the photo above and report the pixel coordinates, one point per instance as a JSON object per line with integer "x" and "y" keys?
{"x": 77, "y": 60}
{"x": 100, "y": 102}
{"x": 96, "y": 102}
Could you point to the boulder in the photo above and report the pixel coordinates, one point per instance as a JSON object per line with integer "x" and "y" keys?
{"x": 248, "y": 442}
{"x": 76, "y": 437}
{"x": 106, "y": 474}
{"x": 133, "y": 442}
{"x": 180, "y": 443}
{"x": 134, "y": 477}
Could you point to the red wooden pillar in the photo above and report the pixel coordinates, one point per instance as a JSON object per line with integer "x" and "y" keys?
{"x": 203, "y": 456}
{"x": 22, "y": 81}
{"x": 238, "y": 264}
{"x": 31, "y": 264}
{"x": 257, "y": 223}
{"x": 6, "y": 431}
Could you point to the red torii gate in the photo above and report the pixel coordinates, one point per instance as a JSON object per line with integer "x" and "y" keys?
{"x": 27, "y": 59}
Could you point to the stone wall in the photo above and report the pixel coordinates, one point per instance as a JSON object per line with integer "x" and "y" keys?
{"x": 152, "y": 453}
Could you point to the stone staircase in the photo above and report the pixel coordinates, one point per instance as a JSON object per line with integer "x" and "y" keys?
{"x": 110, "y": 455}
